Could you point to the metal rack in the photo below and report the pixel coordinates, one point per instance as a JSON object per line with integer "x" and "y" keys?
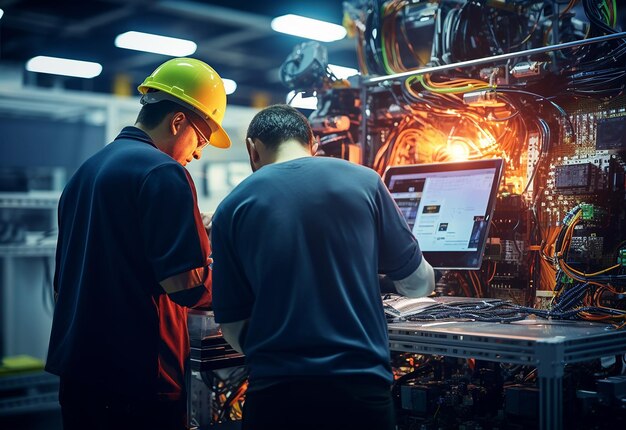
{"x": 30, "y": 200}
{"x": 548, "y": 345}
{"x": 22, "y": 274}
{"x": 496, "y": 58}
{"x": 28, "y": 393}
{"x": 42, "y": 250}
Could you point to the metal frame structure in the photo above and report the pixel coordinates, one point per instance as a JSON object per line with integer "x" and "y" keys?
{"x": 373, "y": 81}
{"x": 548, "y": 345}
{"x": 496, "y": 58}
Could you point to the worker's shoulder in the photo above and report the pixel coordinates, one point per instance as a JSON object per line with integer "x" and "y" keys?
{"x": 249, "y": 186}
{"x": 252, "y": 190}
{"x": 128, "y": 159}
{"x": 140, "y": 155}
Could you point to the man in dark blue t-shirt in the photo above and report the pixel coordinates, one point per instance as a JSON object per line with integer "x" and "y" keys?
{"x": 297, "y": 250}
{"x": 132, "y": 255}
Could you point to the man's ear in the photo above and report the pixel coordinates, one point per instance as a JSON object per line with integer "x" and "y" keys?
{"x": 176, "y": 122}
{"x": 252, "y": 151}
{"x": 314, "y": 147}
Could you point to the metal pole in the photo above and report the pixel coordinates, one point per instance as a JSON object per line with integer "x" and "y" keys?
{"x": 495, "y": 58}
{"x": 555, "y": 33}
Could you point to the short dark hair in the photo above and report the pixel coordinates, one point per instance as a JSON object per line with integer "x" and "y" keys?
{"x": 152, "y": 114}
{"x": 279, "y": 123}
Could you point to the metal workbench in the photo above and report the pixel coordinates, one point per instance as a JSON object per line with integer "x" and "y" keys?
{"x": 548, "y": 345}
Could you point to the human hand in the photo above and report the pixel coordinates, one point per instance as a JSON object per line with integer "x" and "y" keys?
{"x": 207, "y": 221}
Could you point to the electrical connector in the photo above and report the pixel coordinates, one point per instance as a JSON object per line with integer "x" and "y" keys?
{"x": 482, "y": 98}
{"x": 588, "y": 212}
{"x": 526, "y": 69}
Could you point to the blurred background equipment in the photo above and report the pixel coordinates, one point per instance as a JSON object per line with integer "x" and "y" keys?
{"x": 218, "y": 378}
{"x": 306, "y": 68}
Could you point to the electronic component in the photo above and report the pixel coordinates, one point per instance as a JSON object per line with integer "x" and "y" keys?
{"x": 527, "y": 69}
{"x": 521, "y": 400}
{"x": 482, "y": 98}
{"x": 588, "y": 212}
{"x": 585, "y": 248}
{"x": 419, "y": 398}
{"x": 612, "y": 390}
{"x": 573, "y": 176}
{"x": 576, "y": 178}
{"x": 611, "y": 133}
{"x": 493, "y": 250}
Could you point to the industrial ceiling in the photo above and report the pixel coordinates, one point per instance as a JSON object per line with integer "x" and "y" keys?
{"x": 234, "y": 37}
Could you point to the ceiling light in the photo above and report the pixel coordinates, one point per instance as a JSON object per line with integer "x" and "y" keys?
{"x": 301, "y": 102}
{"x": 342, "y": 72}
{"x": 229, "y": 85}
{"x": 63, "y": 66}
{"x": 308, "y": 28}
{"x": 156, "y": 44}
{"x": 1, "y": 13}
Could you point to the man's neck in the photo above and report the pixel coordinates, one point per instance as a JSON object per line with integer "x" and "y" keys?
{"x": 290, "y": 151}
{"x": 156, "y": 135}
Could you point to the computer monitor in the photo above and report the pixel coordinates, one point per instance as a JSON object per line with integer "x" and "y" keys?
{"x": 448, "y": 207}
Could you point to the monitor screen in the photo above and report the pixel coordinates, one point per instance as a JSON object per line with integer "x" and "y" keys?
{"x": 448, "y": 207}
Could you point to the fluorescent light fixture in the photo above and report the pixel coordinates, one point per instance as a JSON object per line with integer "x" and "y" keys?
{"x": 342, "y": 72}
{"x": 308, "y": 28}
{"x": 63, "y": 66}
{"x": 301, "y": 102}
{"x": 156, "y": 44}
{"x": 229, "y": 85}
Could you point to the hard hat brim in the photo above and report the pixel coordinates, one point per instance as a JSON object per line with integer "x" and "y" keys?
{"x": 219, "y": 138}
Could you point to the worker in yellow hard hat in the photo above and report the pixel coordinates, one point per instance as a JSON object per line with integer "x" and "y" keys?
{"x": 195, "y": 86}
{"x": 132, "y": 256}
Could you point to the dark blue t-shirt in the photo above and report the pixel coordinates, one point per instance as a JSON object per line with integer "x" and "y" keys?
{"x": 128, "y": 219}
{"x": 297, "y": 249}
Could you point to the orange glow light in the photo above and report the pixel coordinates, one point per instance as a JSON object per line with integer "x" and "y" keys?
{"x": 458, "y": 151}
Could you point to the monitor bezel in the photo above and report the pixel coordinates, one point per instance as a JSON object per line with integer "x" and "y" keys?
{"x": 456, "y": 260}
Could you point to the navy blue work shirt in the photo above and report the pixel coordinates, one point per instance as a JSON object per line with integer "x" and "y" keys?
{"x": 128, "y": 219}
{"x": 297, "y": 248}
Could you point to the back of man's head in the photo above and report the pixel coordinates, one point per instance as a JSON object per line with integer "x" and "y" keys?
{"x": 151, "y": 115}
{"x": 279, "y": 123}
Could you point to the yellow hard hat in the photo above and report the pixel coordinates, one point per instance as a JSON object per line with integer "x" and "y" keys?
{"x": 197, "y": 86}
